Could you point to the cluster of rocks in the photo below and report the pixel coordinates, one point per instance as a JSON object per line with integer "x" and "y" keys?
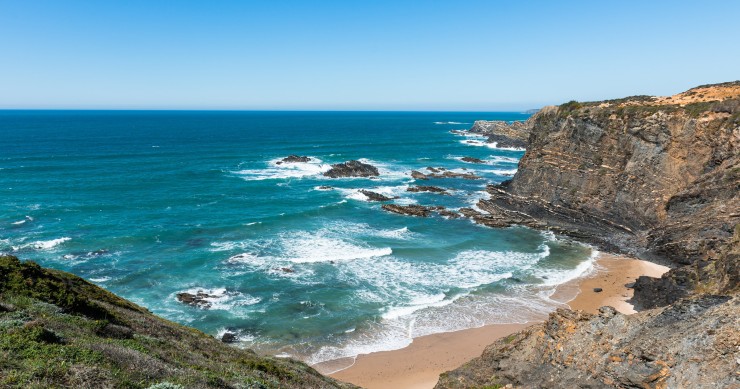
{"x": 198, "y": 299}
{"x": 293, "y": 159}
{"x": 440, "y": 172}
{"x": 352, "y": 168}
{"x": 472, "y": 160}
{"x": 423, "y": 188}
{"x": 374, "y": 196}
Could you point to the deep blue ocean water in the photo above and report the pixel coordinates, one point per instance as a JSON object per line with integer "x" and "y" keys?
{"x": 149, "y": 204}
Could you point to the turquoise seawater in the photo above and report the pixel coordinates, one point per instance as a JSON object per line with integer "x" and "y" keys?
{"x": 149, "y": 204}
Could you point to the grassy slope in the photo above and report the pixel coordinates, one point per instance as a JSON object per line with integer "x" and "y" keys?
{"x": 58, "y": 330}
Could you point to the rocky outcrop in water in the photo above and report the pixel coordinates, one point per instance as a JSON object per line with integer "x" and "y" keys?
{"x": 352, "y": 169}
{"x": 472, "y": 160}
{"x": 440, "y": 172}
{"x": 373, "y": 196}
{"x": 410, "y": 210}
{"x": 504, "y": 134}
{"x": 293, "y": 159}
{"x": 692, "y": 344}
{"x": 198, "y": 300}
{"x": 424, "y": 188}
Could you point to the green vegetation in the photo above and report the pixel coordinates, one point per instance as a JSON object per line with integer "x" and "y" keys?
{"x": 57, "y": 330}
{"x": 569, "y": 107}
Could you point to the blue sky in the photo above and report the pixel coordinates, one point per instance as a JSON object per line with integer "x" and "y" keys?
{"x": 358, "y": 55}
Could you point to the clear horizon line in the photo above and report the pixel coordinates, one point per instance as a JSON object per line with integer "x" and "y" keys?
{"x": 260, "y": 110}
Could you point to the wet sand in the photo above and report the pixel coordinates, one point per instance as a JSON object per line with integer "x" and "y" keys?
{"x": 419, "y": 365}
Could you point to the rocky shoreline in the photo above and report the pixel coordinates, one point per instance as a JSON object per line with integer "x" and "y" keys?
{"x": 655, "y": 177}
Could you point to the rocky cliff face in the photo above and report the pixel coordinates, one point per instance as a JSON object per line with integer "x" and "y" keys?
{"x": 504, "y": 134}
{"x": 692, "y": 344}
{"x": 657, "y": 177}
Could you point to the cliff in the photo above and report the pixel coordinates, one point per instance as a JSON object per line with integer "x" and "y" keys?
{"x": 504, "y": 134}
{"x": 657, "y": 177}
{"x": 692, "y": 344}
{"x": 57, "y": 330}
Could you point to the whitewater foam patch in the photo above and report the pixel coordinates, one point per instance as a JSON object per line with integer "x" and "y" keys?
{"x": 503, "y": 172}
{"x": 554, "y": 277}
{"x": 306, "y": 248}
{"x": 450, "y": 123}
{"x": 24, "y": 221}
{"x": 42, "y": 244}
{"x": 494, "y": 159}
{"x": 224, "y": 299}
{"x": 278, "y": 171}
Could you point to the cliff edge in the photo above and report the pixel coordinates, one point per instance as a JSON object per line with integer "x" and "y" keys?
{"x": 657, "y": 177}
{"x": 59, "y": 331}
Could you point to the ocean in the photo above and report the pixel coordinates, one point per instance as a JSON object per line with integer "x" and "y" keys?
{"x": 148, "y": 204}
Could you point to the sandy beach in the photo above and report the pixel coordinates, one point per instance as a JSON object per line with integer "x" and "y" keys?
{"x": 419, "y": 365}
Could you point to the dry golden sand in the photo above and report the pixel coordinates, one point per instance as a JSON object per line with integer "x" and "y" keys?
{"x": 418, "y": 366}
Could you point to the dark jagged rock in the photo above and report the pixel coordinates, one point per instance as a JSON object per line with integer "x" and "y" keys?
{"x": 442, "y": 173}
{"x": 373, "y": 196}
{"x": 198, "y": 300}
{"x": 448, "y": 214}
{"x": 472, "y": 160}
{"x": 229, "y": 337}
{"x": 449, "y": 174}
{"x": 418, "y": 175}
{"x": 422, "y": 188}
{"x": 294, "y": 159}
{"x": 504, "y": 134}
{"x": 352, "y": 169}
{"x": 325, "y": 187}
{"x": 410, "y": 210}
{"x": 693, "y": 342}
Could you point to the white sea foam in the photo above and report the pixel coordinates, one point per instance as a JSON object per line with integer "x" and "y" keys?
{"x": 100, "y": 280}
{"x": 285, "y": 170}
{"x": 401, "y": 233}
{"x": 554, "y": 277}
{"x": 19, "y": 222}
{"x": 417, "y": 304}
{"x": 503, "y": 172}
{"x": 240, "y": 335}
{"x": 224, "y": 299}
{"x": 450, "y": 123}
{"x": 492, "y": 145}
{"x": 306, "y": 247}
{"x": 501, "y": 159}
{"x": 389, "y": 191}
{"x": 42, "y": 244}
